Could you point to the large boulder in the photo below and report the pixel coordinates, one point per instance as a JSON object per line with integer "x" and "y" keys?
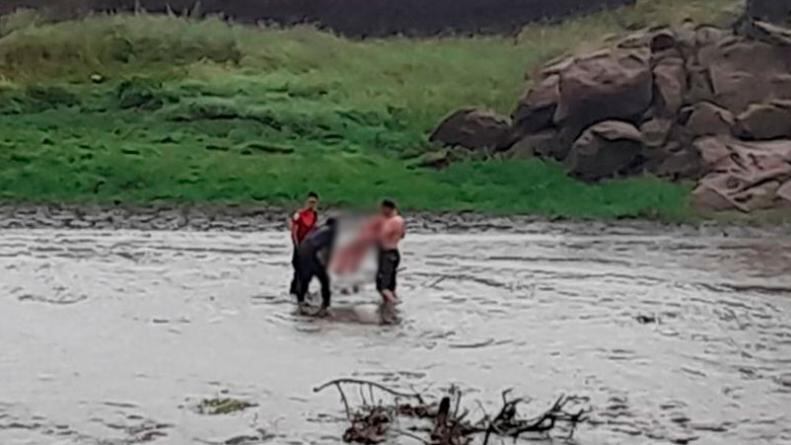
{"x": 765, "y": 121}
{"x": 679, "y": 163}
{"x": 707, "y": 37}
{"x": 537, "y": 107}
{"x": 607, "y": 85}
{"x": 670, "y": 83}
{"x": 714, "y": 152}
{"x": 707, "y": 119}
{"x": 699, "y": 87}
{"x": 700, "y": 44}
{"x": 784, "y": 193}
{"x": 686, "y": 36}
{"x": 656, "y": 131}
{"x": 744, "y": 176}
{"x": 640, "y": 39}
{"x": 735, "y": 192}
{"x": 744, "y": 72}
{"x": 543, "y": 144}
{"x": 474, "y": 129}
{"x": 605, "y": 150}
{"x": 706, "y": 47}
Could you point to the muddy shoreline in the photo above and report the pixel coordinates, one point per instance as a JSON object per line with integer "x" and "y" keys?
{"x": 240, "y": 218}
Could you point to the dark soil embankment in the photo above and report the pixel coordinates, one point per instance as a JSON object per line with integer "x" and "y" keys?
{"x": 355, "y": 17}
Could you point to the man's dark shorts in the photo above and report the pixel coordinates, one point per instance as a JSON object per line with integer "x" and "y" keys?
{"x": 387, "y": 269}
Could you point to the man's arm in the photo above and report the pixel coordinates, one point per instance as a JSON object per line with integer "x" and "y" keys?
{"x": 322, "y": 238}
{"x": 293, "y": 227}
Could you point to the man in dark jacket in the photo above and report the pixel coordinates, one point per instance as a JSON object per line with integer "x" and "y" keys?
{"x": 313, "y": 257}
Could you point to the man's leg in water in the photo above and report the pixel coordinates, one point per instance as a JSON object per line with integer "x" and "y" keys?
{"x": 321, "y": 273}
{"x": 303, "y": 282}
{"x": 295, "y": 278}
{"x": 386, "y": 276}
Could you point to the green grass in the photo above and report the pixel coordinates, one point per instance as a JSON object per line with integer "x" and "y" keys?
{"x": 142, "y": 108}
{"x": 224, "y": 406}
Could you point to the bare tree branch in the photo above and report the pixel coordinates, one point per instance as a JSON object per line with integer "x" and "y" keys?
{"x": 449, "y": 424}
{"x": 411, "y": 436}
{"x": 379, "y": 386}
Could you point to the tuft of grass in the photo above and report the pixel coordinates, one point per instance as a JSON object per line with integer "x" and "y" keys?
{"x": 140, "y": 107}
{"x": 20, "y": 19}
{"x": 219, "y": 407}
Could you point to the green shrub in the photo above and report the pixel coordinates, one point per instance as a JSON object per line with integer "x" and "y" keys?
{"x": 140, "y": 93}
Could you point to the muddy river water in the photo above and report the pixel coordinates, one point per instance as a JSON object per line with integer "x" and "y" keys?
{"x": 112, "y": 337}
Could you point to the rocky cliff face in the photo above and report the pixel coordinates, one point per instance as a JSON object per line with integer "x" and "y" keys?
{"x": 695, "y": 102}
{"x": 355, "y": 17}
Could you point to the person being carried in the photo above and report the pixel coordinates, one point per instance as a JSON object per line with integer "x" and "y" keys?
{"x": 384, "y": 233}
{"x": 313, "y": 256}
{"x": 300, "y": 224}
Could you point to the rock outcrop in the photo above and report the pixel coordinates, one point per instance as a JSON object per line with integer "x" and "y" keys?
{"x": 743, "y": 175}
{"x": 707, "y": 119}
{"x": 541, "y": 144}
{"x": 607, "y": 148}
{"x": 607, "y": 85}
{"x": 765, "y": 121}
{"x": 474, "y": 129}
{"x": 691, "y": 103}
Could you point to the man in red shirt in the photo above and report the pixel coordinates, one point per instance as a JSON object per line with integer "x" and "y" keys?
{"x": 300, "y": 224}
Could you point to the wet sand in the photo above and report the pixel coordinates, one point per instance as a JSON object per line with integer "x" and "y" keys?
{"x": 113, "y": 336}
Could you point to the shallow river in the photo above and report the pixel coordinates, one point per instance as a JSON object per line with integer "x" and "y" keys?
{"x": 112, "y": 337}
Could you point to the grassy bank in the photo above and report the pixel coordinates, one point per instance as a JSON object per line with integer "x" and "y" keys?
{"x": 143, "y": 108}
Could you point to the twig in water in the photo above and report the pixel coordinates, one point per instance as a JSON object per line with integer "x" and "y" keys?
{"x": 412, "y": 436}
{"x": 362, "y": 397}
{"x": 339, "y": 382}
{"x": 437, "y": 281}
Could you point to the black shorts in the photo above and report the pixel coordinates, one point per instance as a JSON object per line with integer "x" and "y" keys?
{"x": 387, "y": 269}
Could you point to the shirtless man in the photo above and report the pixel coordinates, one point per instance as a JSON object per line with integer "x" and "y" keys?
{"x": 390, "y": 229}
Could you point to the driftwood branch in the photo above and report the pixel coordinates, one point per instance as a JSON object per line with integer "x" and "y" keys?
{"x": 379, "y": 386}
{"x": 372, "y": 423}
{"x": 507, "y": 424}
{"x": 411, "y": 436}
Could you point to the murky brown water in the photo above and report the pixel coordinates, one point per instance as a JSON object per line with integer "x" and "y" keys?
{"x": 110, "y": 337}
